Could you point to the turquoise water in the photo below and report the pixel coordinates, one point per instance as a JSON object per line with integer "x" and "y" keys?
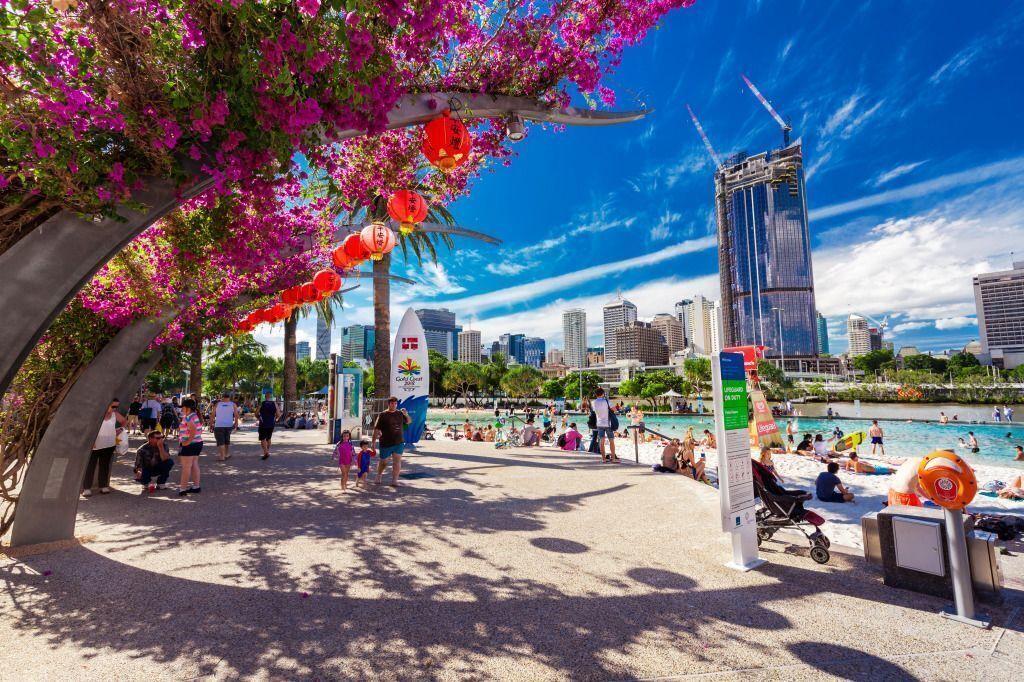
{"x": 901, "y": 439}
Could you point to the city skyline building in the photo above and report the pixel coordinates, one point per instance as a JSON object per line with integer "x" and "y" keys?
{"x": 704, "y": 325}
{"x": 357, "y": 342}
{"x": 469, "y": 346}
{"x": 439, "y": 329}
{"x": 715, "y": 324}
{"x": 682, "y": 312}
{"x": 595, "y": 356}
{"x": 765, "y": 253}
{"x": 999, "y": 301}
{"x": 323, "y": 338}
{"x": 534, "y": 349}
{"x": 574, "y": 331}
{"x": 671, "y": 329}
{"x": 556, "y": 356}
{"x": 617, "y": 314}
{"x": 513, "y": 347}
{"x": 822, "y": 335}
{"x": 875, "y": 338}
{"x": 302, "y": 350}
{"x": 858, "y": 337}
{"x": 642, "y": 342}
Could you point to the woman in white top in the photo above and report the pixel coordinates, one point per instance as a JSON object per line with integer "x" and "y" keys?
{"x": 103, "y": 449}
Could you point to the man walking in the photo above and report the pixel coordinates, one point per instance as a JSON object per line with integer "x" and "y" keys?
{"x": 389, "y": 429}
{"x": 603, "y": 409}
{"x": 876, "y": 437}
{"x": 225, "y": 420}
{"x": 268, "y": 415}
{"x": 149, "y": 413}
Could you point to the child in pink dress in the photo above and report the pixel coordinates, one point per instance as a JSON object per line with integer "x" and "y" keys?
{"x": 345, "y": 453}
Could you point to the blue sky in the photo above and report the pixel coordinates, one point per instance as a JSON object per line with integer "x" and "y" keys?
{"x": 909, "y": 115}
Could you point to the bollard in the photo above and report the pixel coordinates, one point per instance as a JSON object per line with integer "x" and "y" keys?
{"x": 959, "y": 564}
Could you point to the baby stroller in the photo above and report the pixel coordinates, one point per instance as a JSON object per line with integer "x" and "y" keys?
{"x": 781, "y": 508}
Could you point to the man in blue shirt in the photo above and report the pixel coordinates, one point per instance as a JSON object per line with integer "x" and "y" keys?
{"x": 829, "y": 488}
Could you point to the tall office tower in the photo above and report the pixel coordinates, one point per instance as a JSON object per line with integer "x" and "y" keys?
{"x": 533, "y": 351}
{"x": 764, "y": 249}
{"x": 439, "y": 329}
{"x": 670, "y": 329}
{"x": 874, "y": 338}
{"x": 514, "y": 348}
{"x": 617, "y": 314}
{"x": 703, "y": 329}
{"x": 323, "y": 338}
{"x": 302, "y": 350}
{"x": 999, "y": 297}
{"x": 455, "y": 342}
{"x": 469, "y": 346}
{"x": 858, "y": 336}
{"x": 641, "y": 341}
{"x": 822, "y": 335}
{"x": 496, "y": 348}
{"x": 715, "y": 323}
{"x": 556, "y": 356}
{"x": 574, "y": 327}
{"x": 682, "y": 311}
{"x": 357, "y": 342}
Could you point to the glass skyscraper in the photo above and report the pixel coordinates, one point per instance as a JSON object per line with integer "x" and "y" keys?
{"x": 533, "y": 351}
{"x": 765, "y": 253}
{"x": 822, "y": 335}
{"x": 440, "y": 330}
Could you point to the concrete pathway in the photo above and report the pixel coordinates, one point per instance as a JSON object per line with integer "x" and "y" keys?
{"x": 485, "y": 565}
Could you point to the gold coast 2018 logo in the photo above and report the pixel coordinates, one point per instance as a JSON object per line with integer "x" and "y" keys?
{"x": 409, "y": 368}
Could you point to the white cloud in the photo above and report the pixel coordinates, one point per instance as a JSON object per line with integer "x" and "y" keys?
{"x": 908, "y": 326}
{"x": 894, "y": 173}
{"x": 663, "y": 228}
{"x": 505, "y": 268}
{"x": 600, "y": 219}
{"x": 438, "y": 281}
{"x": 957, "y": 180}
{"x": 956, "y": 64}
{"x": 813, "y": 168}
{"x": 562, "y": 283}
{"x": 839, "y": 116}
{"x": 954, "y": 322}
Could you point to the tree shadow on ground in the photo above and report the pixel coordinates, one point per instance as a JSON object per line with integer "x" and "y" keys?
{"x": 849, "y": 664}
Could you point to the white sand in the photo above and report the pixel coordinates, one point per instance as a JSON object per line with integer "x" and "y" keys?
{"x": 843, "y": 520}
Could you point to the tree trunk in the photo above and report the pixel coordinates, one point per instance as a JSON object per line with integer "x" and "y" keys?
{"x": 290, "y": 380}
{"x": 382, "y": 327}
{"x": 195, "y": 378}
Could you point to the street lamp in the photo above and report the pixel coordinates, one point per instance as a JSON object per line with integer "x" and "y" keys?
{"x": 782, "y": 350}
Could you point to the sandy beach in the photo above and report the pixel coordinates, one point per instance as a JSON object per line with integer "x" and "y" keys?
{"x": 843, "y": 520}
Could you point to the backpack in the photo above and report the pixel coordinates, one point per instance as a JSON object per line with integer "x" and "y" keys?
{"x": 613, "y": 420}
{"x": 561, "y": 441}
{"x": 592, "y": 420}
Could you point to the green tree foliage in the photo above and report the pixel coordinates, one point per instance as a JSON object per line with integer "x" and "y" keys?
{"x": 769, "y": 372}
{"x": 961, "y": 363}
{"x": 463, "y": 377}
{"x": 590, "y": 383}
{"x": 312, "y": 375}
{"x": 494, "y": 371}
{"x": 698, "y": 373}
{"x": 553, "y": 388}
{"x": 873, "y": 360}
{"x": 438, "y": 367}
{"x": 522, "y": 381}
{"x": 925, "y": 363}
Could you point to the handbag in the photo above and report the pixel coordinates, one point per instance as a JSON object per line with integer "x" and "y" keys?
{"x": 613, "y": 420}
{"x": 121, "y": 443}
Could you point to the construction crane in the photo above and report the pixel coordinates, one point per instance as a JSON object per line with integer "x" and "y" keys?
{"x": 786, "y": 128}
{"x": 704, "y": 136}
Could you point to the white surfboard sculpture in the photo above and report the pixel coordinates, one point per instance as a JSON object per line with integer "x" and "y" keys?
{"x": 410, "y": 373}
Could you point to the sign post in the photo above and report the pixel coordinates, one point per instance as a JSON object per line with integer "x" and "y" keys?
{"x": 735, "y": 478}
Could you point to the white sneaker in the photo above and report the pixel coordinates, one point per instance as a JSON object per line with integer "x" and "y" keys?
{"x": 106, "y": 490}
{"x": 86, "y": 493}
{"x": 161, "y": 486}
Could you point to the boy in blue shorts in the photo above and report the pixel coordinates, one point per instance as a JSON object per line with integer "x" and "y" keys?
{"x": 365, "y": 453}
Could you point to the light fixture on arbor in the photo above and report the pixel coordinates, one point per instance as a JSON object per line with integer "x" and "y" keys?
{"x": 378, "y": 239}
{"x": 515, "y": 128}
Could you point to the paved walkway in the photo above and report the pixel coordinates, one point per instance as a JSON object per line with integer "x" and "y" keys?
{"x": 487, "y": 565}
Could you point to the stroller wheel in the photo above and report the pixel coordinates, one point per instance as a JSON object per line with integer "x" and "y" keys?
{"x": 820, "y": 554}
{"x": 822, "y": 540}
{"x": 764, "y": 534}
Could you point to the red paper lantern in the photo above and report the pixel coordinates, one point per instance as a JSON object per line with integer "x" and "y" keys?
{"x": 309, "y": 293}
{"x": 327, "y": 280}
{"x": 290, "y": 296}
{"x": 244, "y": 325}
{"x": 340, "y": 259}
{"x": 377, "y": 239}
{"x": 408, "y": 208}
{"x": 258, "y": 316}
{"x": 281, "y": 311}
{"x": 446, "y": 142}
{"x": 354, "y": 248}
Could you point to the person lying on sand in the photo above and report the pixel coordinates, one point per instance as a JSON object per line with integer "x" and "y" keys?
{"x": 1015, "y": 490}
{"x": 858, "y": 467}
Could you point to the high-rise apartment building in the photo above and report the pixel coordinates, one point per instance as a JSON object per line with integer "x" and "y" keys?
{"x": 704, "y": 324}
{"x": 715, "y": 324}
{"x": 469, "y": 346}
{"x": 999, "y": 297}
{"x": 764, "y": 249}
{"x": 513, "y": 347}
{"x": 670, "y": 329}
{"x": 533, "y": 351}
{"x": 875, "y": 338}
{"x": 640, "y": 341}
{"x": 496, "y": 348}
{"x": 556, "y": 356}
{"x": 357, "y": 342}
{"x": 302, "y": 350}
{"x": 617, "y": 314}
{"x": 440, "y": 330}
{"x": 682, "y": 311}
{"x": 822, "y": 335}
{"x": 857, "y": 336}
{"x": 574, "y": 328}
{"x": 323, "y": 338}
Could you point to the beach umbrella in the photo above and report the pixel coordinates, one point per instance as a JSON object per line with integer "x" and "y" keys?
{"x": 671, "y": 394}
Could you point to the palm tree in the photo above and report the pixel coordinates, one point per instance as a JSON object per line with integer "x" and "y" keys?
{"x": 290, "y": 381}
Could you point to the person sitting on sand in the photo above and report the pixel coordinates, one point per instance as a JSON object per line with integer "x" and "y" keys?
{"x": 804, "y": 447}
{"x": 820, "y": 447}
{"x": 572, "y": 438}
{"x": 904, "y": 488}
{"x": 688, "y": 437}
{"x": 708, "y": 440}
{"x": 531, "y": 434}
{"x": 765, "y": 458}
{"x": 1015, "y": 489}
{"x": 828, "y": 487}
{"x": 689, "y": 464}
{"x": 669, "y": 462}
{"x": 858, "y": 467}
{"x": 467, "y": 429}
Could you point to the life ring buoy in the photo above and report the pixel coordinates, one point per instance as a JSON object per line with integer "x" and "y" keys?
{"x": 947, "y": 479}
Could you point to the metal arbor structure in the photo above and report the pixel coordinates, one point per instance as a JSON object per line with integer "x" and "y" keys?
{"x": 46, "y": 267}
